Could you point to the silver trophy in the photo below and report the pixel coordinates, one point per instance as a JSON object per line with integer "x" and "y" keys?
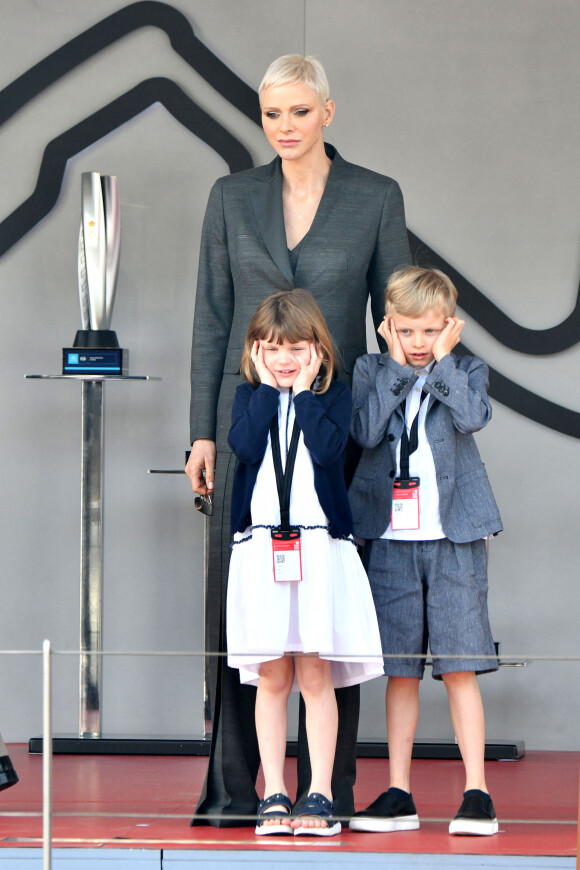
{"x": 95, "y": 356}
{"x": 99, "y": 248}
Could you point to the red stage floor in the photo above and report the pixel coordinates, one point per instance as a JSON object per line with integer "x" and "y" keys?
{"x": 146, "y": 802}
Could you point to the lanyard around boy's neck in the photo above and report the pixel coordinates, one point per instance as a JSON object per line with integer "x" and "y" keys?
{"x": 410, "y": 442}
{"x": 284, "y": 478}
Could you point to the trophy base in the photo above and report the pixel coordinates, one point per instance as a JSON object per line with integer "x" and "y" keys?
{"x": 95, "y": 352}
{"x": 95, "y": 361}
{"x": 93, "y": 338}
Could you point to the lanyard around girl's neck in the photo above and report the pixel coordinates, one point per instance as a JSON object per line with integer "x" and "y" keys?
{"x": 284, "y": 478}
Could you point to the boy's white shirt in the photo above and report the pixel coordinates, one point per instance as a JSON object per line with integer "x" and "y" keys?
{"x": 421, "y": 465}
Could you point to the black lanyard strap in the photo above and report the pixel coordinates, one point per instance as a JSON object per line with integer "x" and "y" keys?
{"x": 410, "y": 442}
{"x": 284, "y": 479}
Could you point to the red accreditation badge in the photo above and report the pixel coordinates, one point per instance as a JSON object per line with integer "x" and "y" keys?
{"x": 286, "y": 554}
{"x": 405, "y": 511}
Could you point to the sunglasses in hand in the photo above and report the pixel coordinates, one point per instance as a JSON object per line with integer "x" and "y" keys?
{"x": 204, "y": 504}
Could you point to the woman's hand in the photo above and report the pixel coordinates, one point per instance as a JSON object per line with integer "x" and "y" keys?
{"x": 388, "y": 331}
{"x": 308, "y": 371}
{"x": 448, "y": 338}
{"x": 263, "y": 372}
{"x": 201, "y": 459}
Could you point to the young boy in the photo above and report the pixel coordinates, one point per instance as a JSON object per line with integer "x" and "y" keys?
{"x": 422, "y": 502}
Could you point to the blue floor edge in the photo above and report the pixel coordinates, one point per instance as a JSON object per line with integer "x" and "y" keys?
{"x": 198, "y": 859}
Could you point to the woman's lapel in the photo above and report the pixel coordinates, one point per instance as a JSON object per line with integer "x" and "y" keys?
{"x": 266, "y": 195}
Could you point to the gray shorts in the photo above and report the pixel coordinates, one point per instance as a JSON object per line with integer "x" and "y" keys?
{"x": 431, "y": 595}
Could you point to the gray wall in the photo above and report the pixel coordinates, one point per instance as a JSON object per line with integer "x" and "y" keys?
{"x": 472, "y": 106}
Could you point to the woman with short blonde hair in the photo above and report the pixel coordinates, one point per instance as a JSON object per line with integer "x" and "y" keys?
{"x": 308, "y": 219}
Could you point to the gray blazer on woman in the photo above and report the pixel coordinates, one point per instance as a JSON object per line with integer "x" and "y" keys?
{"x": 357, "y": 239}
{"x": 458, "y": 406}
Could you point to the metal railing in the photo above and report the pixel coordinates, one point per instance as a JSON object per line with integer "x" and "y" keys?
{"x": 48, "y": 653}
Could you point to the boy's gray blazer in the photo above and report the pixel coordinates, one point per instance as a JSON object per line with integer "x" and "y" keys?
{"x": 458, "y": 406}
{"x": 358, "y": 237}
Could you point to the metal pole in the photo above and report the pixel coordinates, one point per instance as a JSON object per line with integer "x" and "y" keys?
{"x": 46, "y": 758}
{"x": 90, "y": 675}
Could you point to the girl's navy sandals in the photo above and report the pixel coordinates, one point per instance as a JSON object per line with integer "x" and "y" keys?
{"x": 317, "y": 805}
{"x": 275, "y": 800}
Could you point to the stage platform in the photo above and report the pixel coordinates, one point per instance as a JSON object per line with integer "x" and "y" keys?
{"x": 133, "y": 813}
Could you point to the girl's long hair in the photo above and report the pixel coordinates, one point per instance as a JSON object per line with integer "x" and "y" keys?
{"x": 292, "y": 316}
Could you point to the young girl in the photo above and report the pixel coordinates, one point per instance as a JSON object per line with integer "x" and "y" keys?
{"x": 299, "y": 608}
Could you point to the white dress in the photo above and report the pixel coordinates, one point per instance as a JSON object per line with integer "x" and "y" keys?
{"x": 329, "y": 612}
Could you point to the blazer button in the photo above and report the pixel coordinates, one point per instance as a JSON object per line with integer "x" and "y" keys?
{"x": 391, "y": 473}
{"x": 390, "y": 437}
{"x": 437, "y": 385}
{"x": 445, "y": 392}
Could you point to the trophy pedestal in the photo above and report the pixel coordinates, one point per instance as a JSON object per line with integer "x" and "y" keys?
{"x": 91, "y": 574}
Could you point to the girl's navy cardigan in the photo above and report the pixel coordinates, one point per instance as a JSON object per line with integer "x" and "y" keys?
{"x": 324, "y": 418}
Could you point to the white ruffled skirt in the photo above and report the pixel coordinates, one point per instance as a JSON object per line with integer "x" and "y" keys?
{"x": 329, "y": 612}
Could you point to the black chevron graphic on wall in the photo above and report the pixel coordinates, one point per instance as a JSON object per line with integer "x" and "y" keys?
{"x": 150, "y": 13}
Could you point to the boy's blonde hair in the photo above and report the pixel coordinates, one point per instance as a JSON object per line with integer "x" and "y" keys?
{"x": 412, "y": 291}
{"x": 293, "y": 68}
{"x": 292, "y": 316}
